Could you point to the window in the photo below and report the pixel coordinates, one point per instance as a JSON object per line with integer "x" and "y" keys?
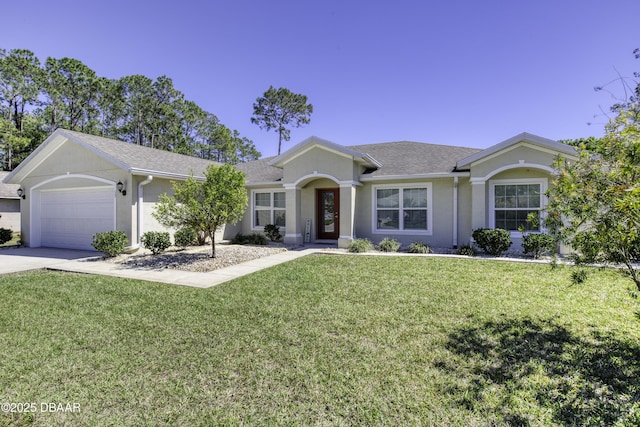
{"x": 513, "y": 201}
{"x": 402, "y": 209}
{"x": 269, "y": 208}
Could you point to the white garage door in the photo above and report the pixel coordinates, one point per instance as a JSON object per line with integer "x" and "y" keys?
{"x": 70, "y": 218}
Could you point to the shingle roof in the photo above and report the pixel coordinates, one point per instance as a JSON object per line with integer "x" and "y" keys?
{"x": 7, "y": 191}
{"x": 397, "y": 158}
{"x": 258, "y": 171}
{"x": 414, "y": 158}
{"x": 140, "y": 159}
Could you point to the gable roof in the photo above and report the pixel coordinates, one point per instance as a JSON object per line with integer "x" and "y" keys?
{"x": 313, "y": 141}
{"x": 523, "y": 137}
{"x": 136, "y": 159}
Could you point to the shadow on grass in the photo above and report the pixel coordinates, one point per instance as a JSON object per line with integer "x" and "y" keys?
{"x": 524, "y": 370}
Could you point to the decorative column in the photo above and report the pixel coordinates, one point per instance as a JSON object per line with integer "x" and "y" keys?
{"x": 347, "y": 214}
{"x": 478, "y": 204}
{"x": 293, "y": 223}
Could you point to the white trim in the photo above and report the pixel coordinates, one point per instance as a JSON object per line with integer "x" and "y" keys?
{"x": 293, "y": 235}
{"x": 35, "y": 214}
{"x": 318, "y": 175}
{"x": 313, "y": 142}
{"x": 271, "y": 209}
{"x": 549, "y": 169}
{"x": 534, "y": 141}
{"x": 544, "y": 183}
{"x": 140, "y": 226}
{"x": 400, "y": 231}
{"x": 455, "y": 211}
{"x": 434, "y": 175}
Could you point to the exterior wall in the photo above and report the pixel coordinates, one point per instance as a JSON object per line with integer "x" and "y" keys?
{"x": 521, "y": 161}
{"x": 519, "y": 154}
{"x": 465, "y": 212}
{"x": 321, "y": 161}
{"x": 61, "y": 171}
{"x": 10, "y": 214}
{"x": 441, "y": 206}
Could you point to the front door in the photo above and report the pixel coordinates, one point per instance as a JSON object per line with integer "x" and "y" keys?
{"x": 328, "y": 213}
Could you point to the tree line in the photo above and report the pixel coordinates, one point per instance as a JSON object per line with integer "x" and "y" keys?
{"x": 36, "y": 98}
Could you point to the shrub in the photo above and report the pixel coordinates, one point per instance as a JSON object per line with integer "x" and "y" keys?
{"x": 389, "y": 245}
{"x": 494, "y": 241}
{"x": 466, "y": 250}
{"x": 537, "y": 245}
{"x": 185, "y": 237}
{"x": 579, "y": 276}
{"x": 250, "y": 239}
{"x": 272, "y": 232}
{"x": 419, "y": 248}
{"x": 360, "y": 245}
{"x": 5, "y": 235}
{"x": 110, "y": 243}
{"x": 156, "y": 241}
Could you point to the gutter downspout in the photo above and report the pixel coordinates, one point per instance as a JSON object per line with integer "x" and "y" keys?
{"x": 455, "y": 212}
{"x": 140, "y": 208}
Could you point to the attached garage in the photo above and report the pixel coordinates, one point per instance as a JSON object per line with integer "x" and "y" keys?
{"x": 69, "y": 219}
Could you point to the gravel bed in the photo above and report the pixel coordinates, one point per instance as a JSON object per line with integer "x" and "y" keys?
{"x": 197, "y": 258}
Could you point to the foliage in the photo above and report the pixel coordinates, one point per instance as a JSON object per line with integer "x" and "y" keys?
{"x": 360, "y": 246}
{"x": 538, "y": 244}
{"x": 389, "y": 245}
{"x": 6, "y": 235}
{"x": 37, "y": 98}
{"x": 277, "y": 108}
{"x": 419, "y": 248}
{"x": 493, "y": 242}
{"x": 205, "y": 205}
{"x": 185, "y": 237}
{"x": 250, "y": 239}
{"x": 594, "y": 203}
{"x": 466, "y": 250}
{"x": 110, "y": 243}
{"x": 156, "y": 241}
{"x": 272, "y": 231}
{"x": 579, "y": 276}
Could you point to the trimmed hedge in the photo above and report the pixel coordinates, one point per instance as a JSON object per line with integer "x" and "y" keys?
{"x": 110, "y": 243}
{"x": 492, "y": 241}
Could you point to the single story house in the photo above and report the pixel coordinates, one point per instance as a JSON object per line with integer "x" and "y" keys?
{"x": 9, "y": 205}
{"x": 317, "y": 191}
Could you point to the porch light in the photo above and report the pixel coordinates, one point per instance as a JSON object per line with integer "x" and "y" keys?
{"x": 120, "y": 187}
{"x": 20, "y": 192}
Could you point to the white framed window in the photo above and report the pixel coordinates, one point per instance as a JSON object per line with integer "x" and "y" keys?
{"x": 268, "y": 207}
{"x": 402, "y": 209}
{"x": 511, "y": 201}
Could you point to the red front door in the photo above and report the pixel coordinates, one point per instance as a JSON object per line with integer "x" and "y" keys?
{"x": 328, "y": 213}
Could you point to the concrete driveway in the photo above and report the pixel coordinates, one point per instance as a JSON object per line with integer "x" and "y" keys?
{"x": 13, "y": 260}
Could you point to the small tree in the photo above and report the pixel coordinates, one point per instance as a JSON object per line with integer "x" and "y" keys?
{"x": 278, "y": 108}
{"x": 594, "y": 204}
{"x": 205, "y": 206}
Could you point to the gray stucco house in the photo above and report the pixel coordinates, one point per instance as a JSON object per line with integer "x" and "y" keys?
{"x": 9, "y": 205}
{"x": 317, "y": 191}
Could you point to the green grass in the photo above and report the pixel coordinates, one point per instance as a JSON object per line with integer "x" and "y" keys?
{"x": 327, "y": 340}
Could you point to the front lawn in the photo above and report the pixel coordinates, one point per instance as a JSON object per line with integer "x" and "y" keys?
{"x": 326, "y": 340}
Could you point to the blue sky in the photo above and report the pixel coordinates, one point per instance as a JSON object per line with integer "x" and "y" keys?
{"x": 470, "y": 73}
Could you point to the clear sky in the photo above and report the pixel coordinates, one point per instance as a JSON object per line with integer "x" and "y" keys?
{"x": 470, "y": 73}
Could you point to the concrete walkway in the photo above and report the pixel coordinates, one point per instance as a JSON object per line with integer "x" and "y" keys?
{"x": 23, "y": 259}
{"x": 14, "y": 260}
